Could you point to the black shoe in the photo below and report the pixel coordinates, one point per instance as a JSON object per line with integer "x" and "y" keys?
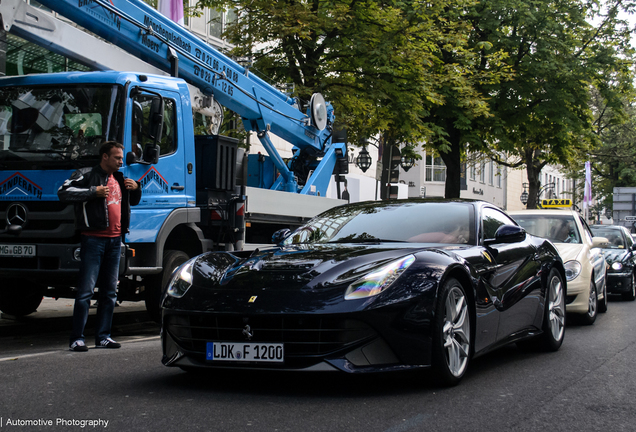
{"x": 78, "y": 345}
{"x": 107, "y": 343}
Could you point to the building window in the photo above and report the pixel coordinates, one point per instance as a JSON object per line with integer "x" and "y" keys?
{"x": 491, "y": 173}
{"x": 482, "y": 172}
{"x": 435, "y": 169}
{"x": 473, "y": 172}
{"x": 498, "y": 177}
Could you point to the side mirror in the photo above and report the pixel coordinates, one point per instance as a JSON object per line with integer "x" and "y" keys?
{"x": 280, "y": 235}
{"x": 155, "y": 119}
{"x": 508, "y": 234}
{"x": 600, "y": 242}
{"x": 131, "y": 158}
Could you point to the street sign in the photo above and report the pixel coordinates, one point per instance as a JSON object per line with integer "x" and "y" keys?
{"x": 630, "y": 218}
{"x": 556, "y": 203}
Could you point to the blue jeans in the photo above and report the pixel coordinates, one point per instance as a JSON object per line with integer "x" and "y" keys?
{"x": 100, "y": 265}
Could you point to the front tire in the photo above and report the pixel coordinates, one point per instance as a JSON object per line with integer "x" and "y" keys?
{"x": 631, "y": 295}
{"x": 592, "y": 308}
{"x": 554, "y": 318}
{"x": 602, "y": 304}
{"x": 19, "y": 300}
{"x": 452, "y": 340}
{"x": 155, "y": 284}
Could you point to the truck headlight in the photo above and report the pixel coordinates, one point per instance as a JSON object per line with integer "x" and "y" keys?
{"x": 572, "y": 270}
{"x": 617, "y": 266}
{"x": 181, "y": 280}
{"x": 378, "y": 280}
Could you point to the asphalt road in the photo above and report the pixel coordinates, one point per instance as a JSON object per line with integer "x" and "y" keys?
{"x": 586, "y": 386}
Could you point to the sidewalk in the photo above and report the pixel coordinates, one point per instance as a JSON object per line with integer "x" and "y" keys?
{"x": 55, "y": 315}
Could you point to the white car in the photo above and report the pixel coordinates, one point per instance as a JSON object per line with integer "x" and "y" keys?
{"x": 585, "y": 267}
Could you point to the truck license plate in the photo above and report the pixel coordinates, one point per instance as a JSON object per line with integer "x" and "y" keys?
{"x": 17, "y": 250}
{"x": 243, "y": 351}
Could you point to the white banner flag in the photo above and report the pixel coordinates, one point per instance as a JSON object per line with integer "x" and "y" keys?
{"x": 587, "y": 197}
{"x": 173, "y": 9}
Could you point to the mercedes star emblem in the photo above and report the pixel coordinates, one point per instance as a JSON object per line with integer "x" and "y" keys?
{"x": 17, "y": 214}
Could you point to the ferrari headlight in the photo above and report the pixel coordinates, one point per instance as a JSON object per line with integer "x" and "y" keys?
{"x": 377, "y": 281}
{"x": 617, "y": 266}
{"x": 572, "y": 270}
{"x": 181, "y": 280}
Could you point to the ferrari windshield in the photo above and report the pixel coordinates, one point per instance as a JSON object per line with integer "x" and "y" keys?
{"x": 557, "y": 228}
{"x": 53, "y": 125}
{"x": 413, "y": 222}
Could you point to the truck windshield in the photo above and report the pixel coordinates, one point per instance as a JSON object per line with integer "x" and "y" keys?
{"x": 57, "y": 126}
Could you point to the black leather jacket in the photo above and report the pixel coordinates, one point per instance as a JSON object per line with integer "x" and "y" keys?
{"x": 91, "y": 212}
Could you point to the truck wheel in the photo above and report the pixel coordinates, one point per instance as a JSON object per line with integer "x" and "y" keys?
{"x": 155, "y": 284}
{"x": 17, "y": 300}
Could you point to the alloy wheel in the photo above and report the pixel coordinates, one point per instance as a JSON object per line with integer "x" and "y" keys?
{"x": 592, "y": 301}
{"x": 556, "y": 308}
{"x": 456, "y": 331}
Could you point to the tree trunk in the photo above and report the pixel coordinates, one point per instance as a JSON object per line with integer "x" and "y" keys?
{"x": 533, "y": 168}
{"x": 453, "y": 162}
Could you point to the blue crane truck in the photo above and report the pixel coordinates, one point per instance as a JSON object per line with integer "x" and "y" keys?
{"x": 199, "y": 192}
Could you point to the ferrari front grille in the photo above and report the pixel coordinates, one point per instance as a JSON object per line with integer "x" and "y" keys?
{"x": 303, "y": 336}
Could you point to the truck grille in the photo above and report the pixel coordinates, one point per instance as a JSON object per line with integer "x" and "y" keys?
{"x": 306, "y": 338}
{"x": 47, "y": 222}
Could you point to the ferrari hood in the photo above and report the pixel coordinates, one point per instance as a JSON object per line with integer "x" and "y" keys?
{"x": 295, "y": 267}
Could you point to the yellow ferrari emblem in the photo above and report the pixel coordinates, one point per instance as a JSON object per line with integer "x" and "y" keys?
{"x": 487, "y": 256}
{"x": 252, "y": 299}
{"x": 556, "y": 203}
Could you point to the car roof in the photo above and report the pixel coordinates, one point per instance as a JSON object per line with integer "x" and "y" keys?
{"x": 558, "y": 212}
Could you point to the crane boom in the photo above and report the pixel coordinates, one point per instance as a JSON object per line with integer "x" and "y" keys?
{"x": 144, "y": 32}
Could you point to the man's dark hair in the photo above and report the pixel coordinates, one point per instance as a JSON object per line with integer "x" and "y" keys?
{"x": 107, "y": 146}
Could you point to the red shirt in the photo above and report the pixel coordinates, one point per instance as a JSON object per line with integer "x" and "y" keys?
{"x": 113, "y": 203}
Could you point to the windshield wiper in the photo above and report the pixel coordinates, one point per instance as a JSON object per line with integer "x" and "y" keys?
{"x": 366, "y": 240}
{"x": 60, "y": 152}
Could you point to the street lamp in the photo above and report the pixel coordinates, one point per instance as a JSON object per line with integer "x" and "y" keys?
{"x": 363, "y": 160}
{"x": 524, "y": 195}
{"x": 407, "y": 163}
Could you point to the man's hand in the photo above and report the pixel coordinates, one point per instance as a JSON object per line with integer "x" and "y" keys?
{"x": 102, "y": 191}
{"x": 130, "y": 184}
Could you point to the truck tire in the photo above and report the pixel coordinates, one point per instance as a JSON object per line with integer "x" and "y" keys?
{"x": 155, "y": 284}
{"x": 18, "y": 300}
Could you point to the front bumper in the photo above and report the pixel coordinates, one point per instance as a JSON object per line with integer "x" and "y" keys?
{"x": 311, "y": 343}
{"x": 577, "y": 300}
{"x": 619, "y": 282}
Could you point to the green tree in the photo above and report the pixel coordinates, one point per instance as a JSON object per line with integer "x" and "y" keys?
{"x": 543, "y": 115}
{"x": 376, "y": 61}
{"x": 613, "y": 158}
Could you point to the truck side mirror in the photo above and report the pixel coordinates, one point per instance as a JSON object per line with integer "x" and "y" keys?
{"x": 155, "y": 119}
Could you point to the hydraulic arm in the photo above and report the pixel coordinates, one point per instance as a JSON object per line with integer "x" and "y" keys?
{"x": 155, "y": 39}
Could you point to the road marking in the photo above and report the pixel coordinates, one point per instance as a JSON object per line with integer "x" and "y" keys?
{"x": 13, "y": 358}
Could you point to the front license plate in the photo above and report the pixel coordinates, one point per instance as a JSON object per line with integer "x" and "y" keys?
{"x": 17, "y": 250}
{"x": 244, "y": 351}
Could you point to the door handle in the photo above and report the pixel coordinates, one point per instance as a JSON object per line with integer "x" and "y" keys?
{"x": 177, "y": 187}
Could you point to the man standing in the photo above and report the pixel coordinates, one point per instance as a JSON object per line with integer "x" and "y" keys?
{"x": 102, "y": 198}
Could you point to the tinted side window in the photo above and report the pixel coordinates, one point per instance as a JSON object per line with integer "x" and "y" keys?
{"x": 587, "y": 232}
{"x": 141, "y": 112}
{"x": 492, "y": 220}
{"x": 628, "y": 238}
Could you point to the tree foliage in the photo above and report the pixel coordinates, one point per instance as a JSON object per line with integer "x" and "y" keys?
{"x": 374, "y": 60}
{"x": 543, "y": 115}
